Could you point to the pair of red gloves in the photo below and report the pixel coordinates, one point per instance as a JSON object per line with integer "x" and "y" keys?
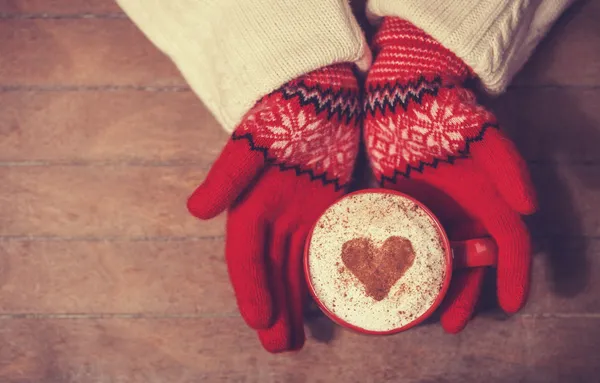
{"x": 425, "y": 134}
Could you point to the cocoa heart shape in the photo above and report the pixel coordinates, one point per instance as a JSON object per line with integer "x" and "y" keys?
{"x": 378, "y": 269}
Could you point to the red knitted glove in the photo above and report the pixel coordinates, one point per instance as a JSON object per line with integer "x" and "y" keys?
{"x": 427, "y": 136}
{"x": 289, "y": 159}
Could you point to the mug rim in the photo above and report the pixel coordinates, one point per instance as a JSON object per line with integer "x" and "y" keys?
{"x": 422, "y": 317}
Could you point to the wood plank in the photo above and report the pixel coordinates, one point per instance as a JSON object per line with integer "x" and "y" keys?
{"x": 223, "y": 350}
{"x": 101, "y": 202}
{"x": 568, "y": 55}
{"x": 81, "y": 52}
{"x": 563, "y": 350}
{"x": 552, "y": 125}
{"x": 186, "y": 277}
{"x": 114, "y": 127}
{"x": 60, "y": 7}
{"x": 115, "y": 277}
{"x": 122, "y": 351}
{"x": 150, "y": 201}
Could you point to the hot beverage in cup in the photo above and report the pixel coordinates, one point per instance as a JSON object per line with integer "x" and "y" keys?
{"x": 380, "y": 262}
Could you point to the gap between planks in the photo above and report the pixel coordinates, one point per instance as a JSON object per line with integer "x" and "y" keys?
{"x": 38, "y": 238}
{"x": 186, "y": 88}
{"x": 93, "y": 88}
{"x": 27, "y": 238}
{"x": 79, "y": 316}
{"x": 203, "y": 165}
{"x": 126, "y": 163}
{"x": 58, "y": 16}
{"x": 185, "y": 316}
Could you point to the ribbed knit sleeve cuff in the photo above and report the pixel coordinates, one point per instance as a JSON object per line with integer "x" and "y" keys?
{"x": 494, "y": 37}
{"x": 233, "y": 52}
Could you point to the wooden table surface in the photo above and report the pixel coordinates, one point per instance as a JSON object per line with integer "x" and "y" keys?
{"x": 104, "y": 277}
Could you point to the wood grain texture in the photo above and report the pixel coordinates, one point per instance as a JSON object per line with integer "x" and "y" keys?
{"x": 81, "y": 52}
{"x": 223, "y": 350}
{"x": 58, "y": 7}
{"x": 107, "y": 127}
{"x": 107, "y": 201}
{"x": 123, "y": 277}
{"x": 101, "y": 202}
{"x": 563, "y": 350}
{"x": 66, "y": 351}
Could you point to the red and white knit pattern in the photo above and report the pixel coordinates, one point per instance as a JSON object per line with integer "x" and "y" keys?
{"x": 438, "y": 128}
{"x": 405, "y": 52}
{"x": 388, "y": 96}
{"x": 417, "y": 111}
{"x": 309, "y": 125}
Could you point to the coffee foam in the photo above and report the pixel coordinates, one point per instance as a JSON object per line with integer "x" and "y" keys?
{"x": 376, "y": 216}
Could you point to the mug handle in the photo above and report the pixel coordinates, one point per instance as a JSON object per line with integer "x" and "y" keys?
{"x": 474, "y": 253}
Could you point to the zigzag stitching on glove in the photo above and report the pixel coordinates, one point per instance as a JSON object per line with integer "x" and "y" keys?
{"x": 342, "y": 103}
{"x": 283, "y": 167}
{"x": 434, "y": 164}
{"x": 389, "y": 96}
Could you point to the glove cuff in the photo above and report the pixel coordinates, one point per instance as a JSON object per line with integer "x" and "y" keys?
{"x": 407, "y": 52}
{"x": 335, "y": 77}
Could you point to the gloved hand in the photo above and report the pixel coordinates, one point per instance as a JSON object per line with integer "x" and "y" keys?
{"x": 427, "y": 136}
{"x": 289, "y": 159}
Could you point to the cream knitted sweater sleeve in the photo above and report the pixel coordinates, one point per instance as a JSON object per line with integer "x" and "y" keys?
{"x": 494, "y": 37}
{"x": 233, "y": 52}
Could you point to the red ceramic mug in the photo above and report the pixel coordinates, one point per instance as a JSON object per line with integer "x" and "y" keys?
{"x": 379, "y": 261}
